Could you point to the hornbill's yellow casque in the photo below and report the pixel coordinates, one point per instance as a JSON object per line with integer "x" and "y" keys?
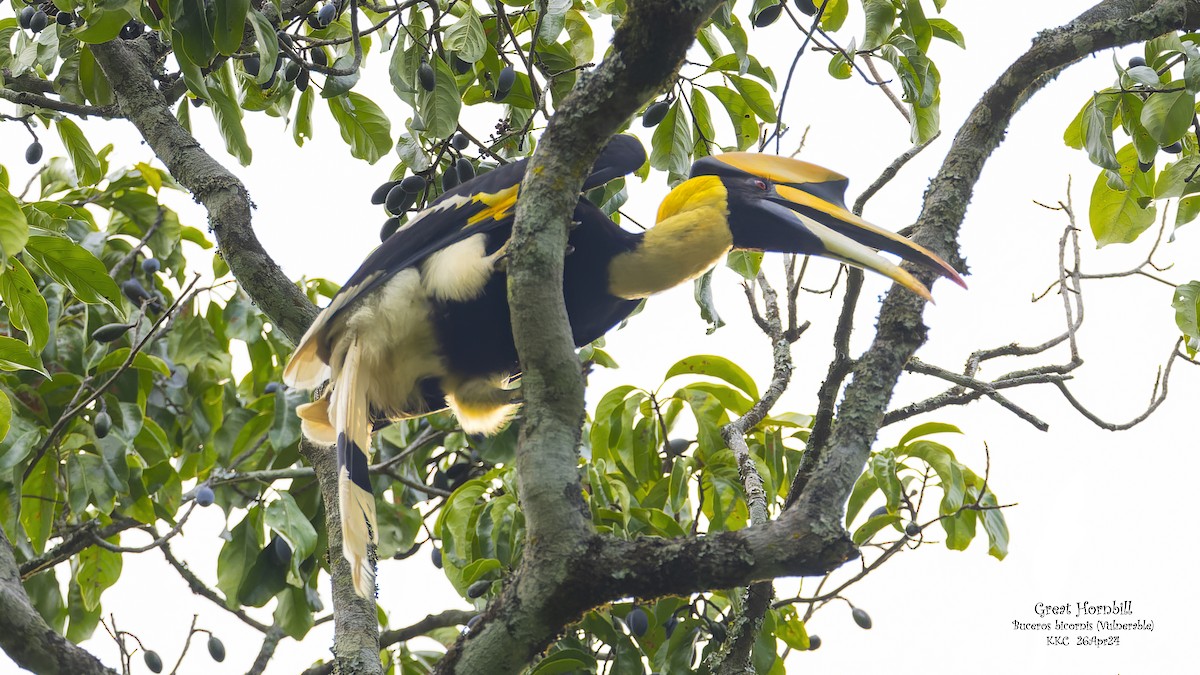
{"x": 424, "y": 323}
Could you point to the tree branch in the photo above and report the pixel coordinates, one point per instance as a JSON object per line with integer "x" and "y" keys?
{"x": 648, "y": 48}
{"x": 900, "y": 332}
{"x": 221, "y": 193}
{"x": 24, "y": 635}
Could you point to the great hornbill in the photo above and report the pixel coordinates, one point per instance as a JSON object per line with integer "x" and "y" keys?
{"x": 424, "y": 323}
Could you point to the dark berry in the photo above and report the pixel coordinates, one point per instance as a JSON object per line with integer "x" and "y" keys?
{"x": 768, "y": 16}
{"x": 389, "y": 228}
{"x": 413, "y": 184}
{"x": 326, "y": 14}
{"x": 38, "y": 21}
{"x": 465, "y": 170}
{"x": 151, "y": 266}
{"x": 110, "y": 332}
{"x": 479, "y": 588}
{"x": 861, "y": 618}
{"x": 460, "y": 142}
{"x": 33, "y": 154}
{"x": 380, "y": 194}
{"x": 215, "y": 649}
{"x": 101, "y": 424}
{"x": 504, "y": 83}
{"x": 427, "y": 76}
{"x": 204, "y": 496}
{"x": 638, "y": 622}
{"x": 655, "y": 113}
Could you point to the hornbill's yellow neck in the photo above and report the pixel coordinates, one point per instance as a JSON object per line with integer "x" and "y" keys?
{"x": 691, "y": 236}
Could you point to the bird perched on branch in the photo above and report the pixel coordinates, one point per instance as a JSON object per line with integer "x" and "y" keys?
{"x": 424, "y": 324}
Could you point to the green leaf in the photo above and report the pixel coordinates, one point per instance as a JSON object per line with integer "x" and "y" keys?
{"x": 840, "y": 67}
{"x": 1168, "y": 115}
{"x": 229, "y": 23}
{"x": 1189, "y": 208}
{"x": 1191, "y": 75}
{"x": 948, "y": 470}
{"x": 98, "y": 569}
{"x": 880, "y": 16}
{"x": 193, "y": 76}
{"x": 1096, "y": 128}
{"x": 960, "y": 530}
{"x": 238, "y": 555}
{"x": 567, "y": 660}
{"x": 285, "y": 517}
{"x": 440, "y": 107}
{"x": 729, "y": 63}
{"x": 926, "y": 429}
{"x": 582, "y": 43}
{"x": 944, "y": 30}
{"x": 302, "y": 126}
{"x": 914, "y": 23}
{"x": 919, "y": 78}
{"x": 5, "y": 416}
{"x": 293, "y": 614}
{"x": 76, "y": 268}
{"x": 926, "y": 121}
{"x": 554, "y": 20}
{"x": 15, "y": 355}
{"x": 14, "y": 228}
{"x": 702, "y": 292}
{"x": 87, "y": 166}
{"x": 336, "y": 85}
{"x": 745, "y": 263}
{"x": 995, "y": 526}
{"x": 756, "y": 96}
{"x": 883, "y": 467}
{"x": 1186, "y": 303}
{"x": 868, "y": 529}
{"x": 228, "y": 114}
{"x": 864, "y": 487}
{"x": 1144, "y": 75}
{"x": 93, "y": 81}
{"x": 835, "y": 14}
{"x": 671, "y": 145}
{"x": 363, "y": 125}
{"x": 268, "y": 45}
{"x": 92, "y": 483}
{"x": 466, "y": 38}
{"x": 26, "y": 306}
{"x": 1119, "y": 216}
{"x": 82, "y": 622}
{"x": 39, "y": 500}
{"x": 141, "y": 361}
{"x": 103, "y": 22}
{"x": 192, "y": 32}
{"x": 1178, "y": 179}
{"x": 745, "y": 125}
{"x": 718, "y": 367}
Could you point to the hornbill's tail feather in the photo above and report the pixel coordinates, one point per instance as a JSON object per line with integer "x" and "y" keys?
{"x": 348, "y": 414}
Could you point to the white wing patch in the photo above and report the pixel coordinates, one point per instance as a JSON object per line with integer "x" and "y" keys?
{"x": 459, "y": 272}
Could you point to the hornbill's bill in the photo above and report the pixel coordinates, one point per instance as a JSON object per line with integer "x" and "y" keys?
{"x": 424, "y": 323}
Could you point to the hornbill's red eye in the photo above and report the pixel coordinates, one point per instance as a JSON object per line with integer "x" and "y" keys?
{"x": 761, "y": 185}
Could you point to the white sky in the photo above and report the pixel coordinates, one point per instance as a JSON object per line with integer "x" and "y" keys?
{"x": 1100, "y": 515}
